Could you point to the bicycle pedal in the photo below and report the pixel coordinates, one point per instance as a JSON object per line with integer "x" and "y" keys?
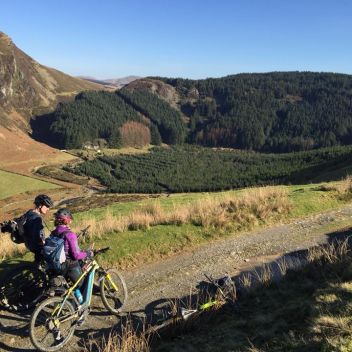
{"x": 80, "y": 321}
{"x": 57, "y": 335}
{"x": 51, "y": 293}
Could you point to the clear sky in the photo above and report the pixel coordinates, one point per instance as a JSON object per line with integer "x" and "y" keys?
{"x": 182, "y": 38}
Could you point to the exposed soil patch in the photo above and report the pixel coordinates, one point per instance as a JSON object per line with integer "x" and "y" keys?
{"x": 100, "y": 200}
{"x": 20, "y": 153}
{"x": 77, "y": 199}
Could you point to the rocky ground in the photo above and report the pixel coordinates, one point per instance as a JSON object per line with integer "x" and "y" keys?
{"x": 177, "y": 277}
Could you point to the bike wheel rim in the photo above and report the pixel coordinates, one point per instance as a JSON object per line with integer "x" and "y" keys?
{"x": 114, "y": 299}
{"x": 48, "y": 335}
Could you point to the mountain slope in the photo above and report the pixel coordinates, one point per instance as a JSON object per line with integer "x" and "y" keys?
{"x": 272, "y": 112}
{"x": 275, "y": 111}
{"x": 28, "y": 88}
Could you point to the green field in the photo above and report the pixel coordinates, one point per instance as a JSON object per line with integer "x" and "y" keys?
{"x": 12, "y": 184}
{"x": 154, "y": 241}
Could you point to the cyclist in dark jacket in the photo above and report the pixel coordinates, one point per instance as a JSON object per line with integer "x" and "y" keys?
{"x": 34, "y": 235}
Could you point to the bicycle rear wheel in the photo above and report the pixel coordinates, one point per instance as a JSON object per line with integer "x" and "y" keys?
{"x": 22, "y": 287}
{"x": 113, "y": 291}
{"x": 48, "y": 331}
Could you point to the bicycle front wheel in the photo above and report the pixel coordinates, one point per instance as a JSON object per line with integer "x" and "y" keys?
{"x": 48, "y": 331}
{"x": 113, "y": 291}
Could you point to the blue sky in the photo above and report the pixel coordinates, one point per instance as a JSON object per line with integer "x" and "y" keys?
{"x": 182, "y": 38}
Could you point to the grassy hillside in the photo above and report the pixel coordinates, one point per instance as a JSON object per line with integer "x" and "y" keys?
{"x": 12, "y": 184}
{"x": 151, "y": 229}
{"x": 28, "y": 88}
{"x": 308, "y": 311}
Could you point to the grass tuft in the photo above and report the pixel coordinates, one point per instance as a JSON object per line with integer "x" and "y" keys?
{"x": 128, "y": 340}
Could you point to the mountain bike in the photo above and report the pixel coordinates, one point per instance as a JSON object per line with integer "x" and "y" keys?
{"x": 218, "y": 291}
{"x": 54, "y": 321}
{"x": 225, "y": 291}
{"x": 29, "y": 283}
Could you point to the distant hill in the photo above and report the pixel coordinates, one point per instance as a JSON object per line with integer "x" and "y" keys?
{"x": 271, "y": 112}
{"x": 275, "y": 112}
{"x": 114, "y": 82}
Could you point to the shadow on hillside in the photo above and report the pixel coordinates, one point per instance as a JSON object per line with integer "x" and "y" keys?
{"x": 331, "y": 170}
{"x": 155, "y": 313}
{"x": 40, "y": 126}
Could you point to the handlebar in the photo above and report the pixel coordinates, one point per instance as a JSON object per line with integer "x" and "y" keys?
{"x": 101, "y": 250}
{"x": 89, "y": 258}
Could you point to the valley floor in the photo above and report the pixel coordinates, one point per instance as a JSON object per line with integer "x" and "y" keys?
{"x": 178, "y": 276}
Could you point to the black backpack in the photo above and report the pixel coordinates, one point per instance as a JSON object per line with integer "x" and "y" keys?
{"x": 16, "y": 228}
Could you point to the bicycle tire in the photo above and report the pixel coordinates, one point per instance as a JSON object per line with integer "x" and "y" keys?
{"x": 43, "y": 321}
{"x": 113, "y": 300}
{"x": 22, "y": 288}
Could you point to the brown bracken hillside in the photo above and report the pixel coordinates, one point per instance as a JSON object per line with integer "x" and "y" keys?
{"x": 28, "y": 88}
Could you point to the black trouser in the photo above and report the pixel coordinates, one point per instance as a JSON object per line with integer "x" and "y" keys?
{"x": 73, "y": 271}
{"x": 38, "y": 255}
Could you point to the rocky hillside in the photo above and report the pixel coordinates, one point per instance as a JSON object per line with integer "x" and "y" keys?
{"x": 164, "y": 90}
{"x": 28, "y": 88}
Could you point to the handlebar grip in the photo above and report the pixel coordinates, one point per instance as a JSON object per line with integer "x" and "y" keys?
{"x": 101, "y": 250}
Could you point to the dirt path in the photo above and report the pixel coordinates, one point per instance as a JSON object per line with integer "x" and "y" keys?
{"x": 178, "y": 276}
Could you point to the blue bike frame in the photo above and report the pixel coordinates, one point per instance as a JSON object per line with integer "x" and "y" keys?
{"x": 88, "y": 289}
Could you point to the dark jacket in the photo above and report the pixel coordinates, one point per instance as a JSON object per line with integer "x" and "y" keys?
{"x": 34, "y": 231}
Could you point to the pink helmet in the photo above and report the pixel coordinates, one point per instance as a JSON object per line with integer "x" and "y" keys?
{"x": 63, "y": 216}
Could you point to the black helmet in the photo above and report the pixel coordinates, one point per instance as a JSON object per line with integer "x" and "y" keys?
{"x": 63, "y": 214}
{"x": 43, "y": 199}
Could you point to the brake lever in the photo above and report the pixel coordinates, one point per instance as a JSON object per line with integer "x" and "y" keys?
{"x": 83, "y": 232}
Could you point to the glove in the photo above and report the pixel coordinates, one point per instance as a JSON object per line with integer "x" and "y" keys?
{"x": 90, "y": 253}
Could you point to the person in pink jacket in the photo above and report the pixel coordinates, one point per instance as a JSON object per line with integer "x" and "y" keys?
{"x": 72, "y": 268}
